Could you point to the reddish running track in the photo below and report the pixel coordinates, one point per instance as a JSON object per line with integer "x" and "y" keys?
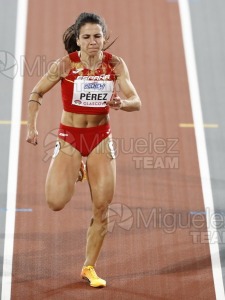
{"x": 151, "y": 251}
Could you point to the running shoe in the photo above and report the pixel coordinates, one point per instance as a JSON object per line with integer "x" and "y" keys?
{"x": 88, "y": 273}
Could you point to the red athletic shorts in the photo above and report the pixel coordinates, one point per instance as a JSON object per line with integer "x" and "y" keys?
{"x": 84, "y": 139}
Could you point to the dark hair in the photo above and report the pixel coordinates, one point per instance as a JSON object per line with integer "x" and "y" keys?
{"x": 73, "y": 32}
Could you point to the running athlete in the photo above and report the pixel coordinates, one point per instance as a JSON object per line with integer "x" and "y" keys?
{"x": 88, "y": 75}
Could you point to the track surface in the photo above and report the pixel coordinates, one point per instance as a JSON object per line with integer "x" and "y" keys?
{"x": 146, "y": 255}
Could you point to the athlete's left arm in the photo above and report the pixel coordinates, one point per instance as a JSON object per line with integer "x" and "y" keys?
{"x": 132, "y": 101}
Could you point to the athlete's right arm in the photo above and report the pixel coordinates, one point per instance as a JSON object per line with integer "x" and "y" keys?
{"x": 53, "y": 76}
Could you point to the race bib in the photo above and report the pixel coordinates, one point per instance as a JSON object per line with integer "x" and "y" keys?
{"x": 92, "y": 93}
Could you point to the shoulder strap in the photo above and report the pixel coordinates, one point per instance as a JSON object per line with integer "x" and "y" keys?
{"x": 107, "y": 57}
{"x": 74, "y": 56}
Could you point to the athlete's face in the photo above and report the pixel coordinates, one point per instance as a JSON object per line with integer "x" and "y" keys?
{"x": 91, "y": 39}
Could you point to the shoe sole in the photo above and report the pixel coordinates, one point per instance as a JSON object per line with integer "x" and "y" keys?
{"x": 95, "y": 286}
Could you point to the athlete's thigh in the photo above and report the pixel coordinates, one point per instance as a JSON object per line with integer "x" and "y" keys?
{"x": 64, "y": 168}
{"x": 101, "y": 166}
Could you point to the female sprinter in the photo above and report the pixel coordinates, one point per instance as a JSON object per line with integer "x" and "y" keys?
{"x": 88, "y": 75}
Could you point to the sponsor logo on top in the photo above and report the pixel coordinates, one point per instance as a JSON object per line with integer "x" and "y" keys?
{"x": 94, "y": 86}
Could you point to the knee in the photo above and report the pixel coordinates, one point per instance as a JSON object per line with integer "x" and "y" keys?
{"x": 55, "y": 206}
{"x": 101, "y": 211}
{"x": 56, "y": 201}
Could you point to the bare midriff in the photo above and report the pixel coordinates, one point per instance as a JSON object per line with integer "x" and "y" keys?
{"x": 83, "y": 120}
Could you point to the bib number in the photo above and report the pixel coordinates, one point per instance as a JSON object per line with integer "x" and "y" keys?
{"x": 92, "y": 93}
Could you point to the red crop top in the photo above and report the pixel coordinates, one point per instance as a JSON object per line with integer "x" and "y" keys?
{"x": 85, "y": 91}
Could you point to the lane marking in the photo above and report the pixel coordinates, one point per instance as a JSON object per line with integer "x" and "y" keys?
{"x": 201, "y": 143}
{"x": 17, "y": 209}
{"x": 21, "y": 24}
{"x": 191, "y": 125}
{"x": 9, "y": 122}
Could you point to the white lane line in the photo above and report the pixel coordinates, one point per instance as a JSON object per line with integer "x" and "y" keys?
{"x": 21, "y": 24}
{"x": 201, "y": 144}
